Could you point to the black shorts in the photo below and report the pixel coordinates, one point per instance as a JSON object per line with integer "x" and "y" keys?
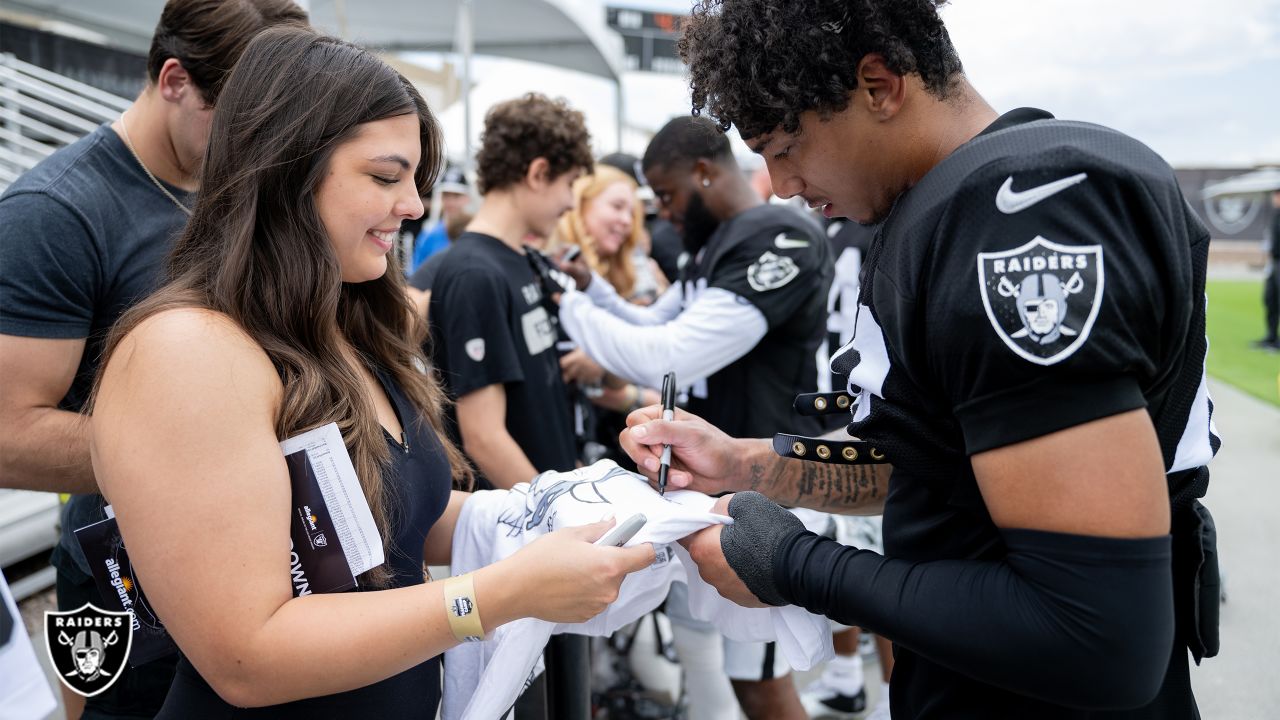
{"x": 138, "y": 692}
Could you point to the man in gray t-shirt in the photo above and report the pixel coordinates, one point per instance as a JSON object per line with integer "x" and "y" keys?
{"x": 83, "y": 236}
{"x": 75, "y": 259}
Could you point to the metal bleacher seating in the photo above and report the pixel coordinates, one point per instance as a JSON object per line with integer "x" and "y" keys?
{"x": 41, "y": 111}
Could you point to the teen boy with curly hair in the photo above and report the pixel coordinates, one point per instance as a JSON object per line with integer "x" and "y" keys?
{"x": 493, "y": 341}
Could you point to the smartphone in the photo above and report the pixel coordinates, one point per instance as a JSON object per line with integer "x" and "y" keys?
{"x": 571, "y": 254}
{"x": 623, "y": 531}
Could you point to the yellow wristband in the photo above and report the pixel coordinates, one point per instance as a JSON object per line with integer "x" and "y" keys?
{"x": 460, "y": 607}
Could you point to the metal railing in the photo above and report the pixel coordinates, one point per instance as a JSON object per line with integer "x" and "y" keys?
{"x": 41, "y": 111}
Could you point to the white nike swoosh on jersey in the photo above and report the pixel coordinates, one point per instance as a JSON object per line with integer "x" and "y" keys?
{"x": 1010, "y": 202}
{"x": 782, "y": 242}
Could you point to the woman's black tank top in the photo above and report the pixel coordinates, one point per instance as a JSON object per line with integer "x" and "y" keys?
{"x": 419, "y": 481}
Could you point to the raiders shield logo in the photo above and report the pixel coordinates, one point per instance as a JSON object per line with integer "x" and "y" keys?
{"x": 475, "y": 349}
{"x": 1042, "y": 298}
{"x": 88, "y": 647}
{"x": 771, "y": 272}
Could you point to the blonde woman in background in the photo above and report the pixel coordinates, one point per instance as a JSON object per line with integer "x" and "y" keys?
{"x": 607, "y": 225}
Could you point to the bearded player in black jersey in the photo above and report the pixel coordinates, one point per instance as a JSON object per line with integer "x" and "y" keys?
{"x": 1028, "y": 360}
{"x": 741, "y": 325}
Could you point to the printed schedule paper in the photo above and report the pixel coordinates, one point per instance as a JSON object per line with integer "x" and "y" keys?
{"x": 336, "y": 476}
{"x": 332, "y": 539}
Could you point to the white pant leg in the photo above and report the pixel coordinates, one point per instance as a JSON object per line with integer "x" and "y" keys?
{"x": 699, "y": 646}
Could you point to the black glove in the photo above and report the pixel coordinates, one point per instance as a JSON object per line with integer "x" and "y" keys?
{"x": 749, "y": 544}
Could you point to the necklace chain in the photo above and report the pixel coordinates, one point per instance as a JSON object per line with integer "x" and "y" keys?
{"x": 129, "y": 144}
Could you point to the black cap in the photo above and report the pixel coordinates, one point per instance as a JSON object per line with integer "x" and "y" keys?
{"x": 454, "y": 180}
{"x": 629, "y": 164}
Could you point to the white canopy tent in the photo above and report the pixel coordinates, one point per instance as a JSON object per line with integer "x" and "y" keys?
{"x": 569, "y": 34}
{"x": 564, "y": 33}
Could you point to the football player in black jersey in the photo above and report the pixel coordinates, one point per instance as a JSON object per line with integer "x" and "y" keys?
{"x": 1029, "y": 356}
{"x": 741, "y": 327}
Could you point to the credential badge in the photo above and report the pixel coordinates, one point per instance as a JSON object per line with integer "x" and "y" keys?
{"x": 462, "y": 607}
{"x": 1042, "y": 298}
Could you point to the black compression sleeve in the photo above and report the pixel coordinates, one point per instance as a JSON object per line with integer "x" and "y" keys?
{"x": 1102, "y": 607}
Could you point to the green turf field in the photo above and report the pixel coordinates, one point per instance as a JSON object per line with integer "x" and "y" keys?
{"x": 1235, "y": 321}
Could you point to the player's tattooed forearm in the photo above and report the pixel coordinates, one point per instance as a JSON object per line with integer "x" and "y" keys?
{"x": 836, "y": 487}
{"x": 765, "y": 476}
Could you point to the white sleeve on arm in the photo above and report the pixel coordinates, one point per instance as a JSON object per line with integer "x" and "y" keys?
{"x": 717, "y": 329}
{"x": 666, "y": 307}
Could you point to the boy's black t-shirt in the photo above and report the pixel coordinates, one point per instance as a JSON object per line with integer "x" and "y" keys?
{"x": 489, "y": 326}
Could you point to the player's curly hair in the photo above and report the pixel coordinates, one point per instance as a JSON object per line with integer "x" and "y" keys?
{"x": 759, "y": 64}
{"x": 517, "y": 132}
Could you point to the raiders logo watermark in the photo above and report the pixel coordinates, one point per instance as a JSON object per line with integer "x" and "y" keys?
{"x": 88, "y": 647}
{"x": 1043, "y": 297}
{"x": 1232, "y": 214}
{"x": 771, "y": 272}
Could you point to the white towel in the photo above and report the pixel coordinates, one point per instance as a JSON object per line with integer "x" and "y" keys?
{"x": 483, "y": 679}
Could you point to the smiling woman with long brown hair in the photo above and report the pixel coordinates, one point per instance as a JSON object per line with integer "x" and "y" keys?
{"x": 279, "y": 315}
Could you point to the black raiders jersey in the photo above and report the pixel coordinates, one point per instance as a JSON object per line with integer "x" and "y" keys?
{"x": 849, "y": 242}
{"x": 1046, "y": 274}
{"x": 777, "y": 259}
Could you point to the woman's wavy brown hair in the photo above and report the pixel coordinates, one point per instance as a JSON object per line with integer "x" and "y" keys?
{"x": 256, "y": 250}
{"x": 619, "y": 270}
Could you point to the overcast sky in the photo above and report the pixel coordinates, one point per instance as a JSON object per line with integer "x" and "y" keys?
{"x": 1198, "y": 81}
